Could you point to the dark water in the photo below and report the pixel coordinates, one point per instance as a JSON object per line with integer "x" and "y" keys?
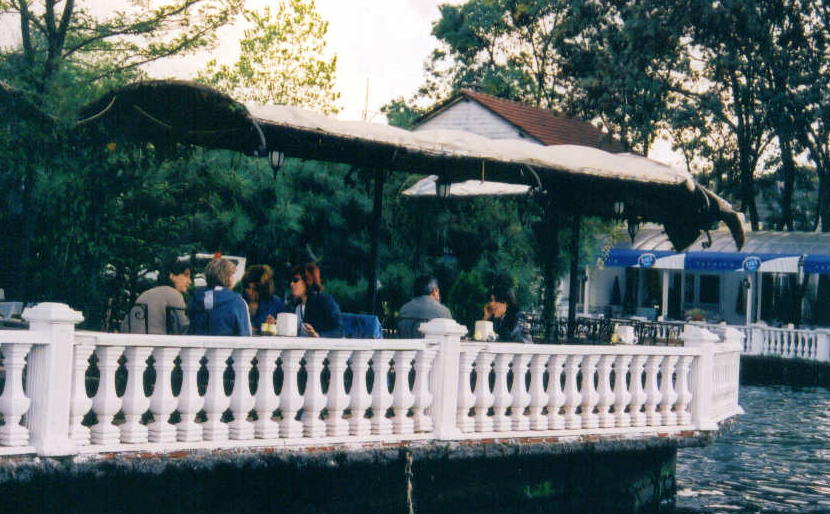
{"x": 775, "y": 459}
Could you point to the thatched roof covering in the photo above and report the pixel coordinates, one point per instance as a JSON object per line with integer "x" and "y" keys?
{"x": 174, "y": 111}
{"x": 581, "y": 179}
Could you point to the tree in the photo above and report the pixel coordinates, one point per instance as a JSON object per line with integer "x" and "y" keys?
{"x": 281, "y": 60}
{"x": 508, "y": 48}
{"x": 624, "y": 58}
{"x": 54, "y": 33}
{"x": 65, "y": 56}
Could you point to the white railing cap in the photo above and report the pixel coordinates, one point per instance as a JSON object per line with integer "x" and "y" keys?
{"x": 694, "y": 335}
{"x": 52, "y": 312}
{"x": 442, "y": 327}
{"x": 730, "y": 334}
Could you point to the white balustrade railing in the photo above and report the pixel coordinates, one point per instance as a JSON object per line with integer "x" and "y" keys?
{"x": 789, "y": 343}
{"x": 528, "y": 389}
{"x": 91, "y": 392}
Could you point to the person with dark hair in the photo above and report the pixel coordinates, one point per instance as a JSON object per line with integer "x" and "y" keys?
{"x": 426, "y": 305}
{"x": 508, "y": 320}
{"x": 263, "y": 305}
{"x": 161, "y": 310}
{"x": 318, "y": 314}
{"x": 216, "y": 310}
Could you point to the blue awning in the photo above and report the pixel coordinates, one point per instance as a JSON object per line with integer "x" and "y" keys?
{"x": 623, "y": 257}
{"x": 728, "y": 261}
{"x": 817, "y": 264}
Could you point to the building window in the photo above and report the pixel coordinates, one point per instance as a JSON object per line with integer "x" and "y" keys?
{"x": 710, "y": 289}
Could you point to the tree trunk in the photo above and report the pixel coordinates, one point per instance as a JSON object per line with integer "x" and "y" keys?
{"x": 788, "y": 172}
{"x": 821, "y": 314}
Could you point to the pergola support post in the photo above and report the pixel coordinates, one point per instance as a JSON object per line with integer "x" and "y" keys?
{"x": 573, "y": 279}
{"x": 548, "y": 241}
{"x": 374, "y": 259}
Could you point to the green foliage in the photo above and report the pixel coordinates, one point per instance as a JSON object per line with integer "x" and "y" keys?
{"x": 281, "y": 60}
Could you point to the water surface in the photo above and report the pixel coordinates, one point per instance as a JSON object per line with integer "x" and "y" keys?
{"x": 776, "y": 458}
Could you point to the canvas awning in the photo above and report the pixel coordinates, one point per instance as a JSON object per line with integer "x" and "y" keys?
{"x": 765, "y": 252}
{"x": 468, "y": 188}
{"x": 582, "y": 180}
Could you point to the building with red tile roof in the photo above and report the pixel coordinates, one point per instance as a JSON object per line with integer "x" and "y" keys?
{"x": 498, "y": 118}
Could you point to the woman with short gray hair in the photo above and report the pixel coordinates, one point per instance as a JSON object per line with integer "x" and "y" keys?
{"x": 216, "y": 310}
{"x": 219, "y": 272}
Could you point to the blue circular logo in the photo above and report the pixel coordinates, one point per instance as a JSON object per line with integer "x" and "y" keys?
{"x": 751, "y": 263}
{"x": 646, "y": 260}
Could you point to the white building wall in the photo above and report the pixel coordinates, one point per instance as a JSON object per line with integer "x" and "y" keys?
{"x": 472, "y": 117}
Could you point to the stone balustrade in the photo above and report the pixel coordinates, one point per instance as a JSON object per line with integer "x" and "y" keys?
{"x": 789, "y": 343}
{"x": 90, "y": 392}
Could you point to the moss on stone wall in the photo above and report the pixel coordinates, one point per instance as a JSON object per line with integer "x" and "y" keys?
{"x": 494, "y": 480}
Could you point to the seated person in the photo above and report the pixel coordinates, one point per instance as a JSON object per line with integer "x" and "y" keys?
{"x": 216, "y": 310}
{"x": 509, "y": 322}
{"x": 318, "y": 315}
{"x": 426, "y": 305}
{"x": 161, "y": 310}
{"x": 263, "y": 306}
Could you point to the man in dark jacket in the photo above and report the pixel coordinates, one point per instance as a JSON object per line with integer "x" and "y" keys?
{"x": 216, "y": 310}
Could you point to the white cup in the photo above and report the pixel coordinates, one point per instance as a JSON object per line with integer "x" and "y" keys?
{"x": 626, "y": 334}
{"x": 286, "y": 324}
{"x": 483, "y": 330}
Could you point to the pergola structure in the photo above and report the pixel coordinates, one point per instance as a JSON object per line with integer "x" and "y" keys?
{"x": 576, "y": 180}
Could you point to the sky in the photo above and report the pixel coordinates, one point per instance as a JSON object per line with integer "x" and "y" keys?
{"x": 382, "y": 44}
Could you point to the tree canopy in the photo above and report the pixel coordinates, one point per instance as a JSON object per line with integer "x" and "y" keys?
{"x": 281, "y": 60}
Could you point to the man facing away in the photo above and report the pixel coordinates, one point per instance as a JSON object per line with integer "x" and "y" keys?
{"x": 425, "y": 306}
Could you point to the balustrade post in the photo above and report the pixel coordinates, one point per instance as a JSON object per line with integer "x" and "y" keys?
{"x": 520, "y": 395}
{"x": 402, "y": 397}
{"x": 359, "y": 398}
{"x": 134, "y": 402}
{"x": 266, "y": 400}
{"x": 822, "y": 346}
{"x": 216, "y": 401}
{"x": 538, "y": 396}
{"x": 422, "y": 408}
{"x": 81, "y": 403}
{"x": 466, "y": 398}
{"x": 702, "y": 375}
{"x": 49, "y": 378}
{"x": 447, "y": 333}
{"x": 14, "y": 402}
{"x": 337, "y": 400}
{"x": 484, "y": 398}
{"x": 556, "y": 397}
{"x": 756, "y": 341}
{"x": 189, "y": 402}
{"x": 242, "y": 401}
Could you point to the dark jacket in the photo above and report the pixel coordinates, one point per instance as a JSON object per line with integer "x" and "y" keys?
{"x": 512, "y": 327}
{"x": 322, "y": 313}
{"x": 218, "y": 312}
{"x": 272, "y": 307}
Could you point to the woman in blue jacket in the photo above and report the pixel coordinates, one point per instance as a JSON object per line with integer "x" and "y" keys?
{"x": 318, "y": 315}
{"x": 216, "y": 310}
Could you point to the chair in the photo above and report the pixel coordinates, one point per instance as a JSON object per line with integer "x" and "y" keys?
{"x": 361, "y": 326}
{"x": 138, "y": 314}
{"x": 174, "y": 320}
{"x": 10, "y": 309}
{"x": 408, "y": 327}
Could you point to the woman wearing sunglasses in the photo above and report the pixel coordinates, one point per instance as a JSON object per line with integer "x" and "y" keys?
{"x": 318, "y": 314}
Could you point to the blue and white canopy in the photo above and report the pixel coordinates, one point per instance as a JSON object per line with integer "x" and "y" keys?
{"x": 765, "y": 252}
